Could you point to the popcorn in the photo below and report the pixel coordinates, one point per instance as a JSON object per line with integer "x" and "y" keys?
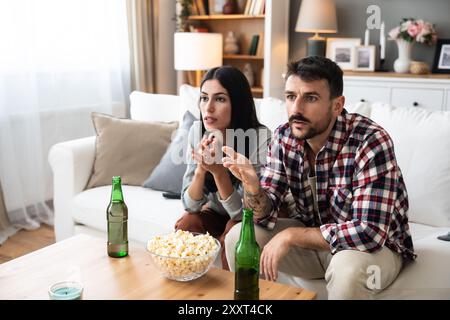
{"x": 181, "y": 255}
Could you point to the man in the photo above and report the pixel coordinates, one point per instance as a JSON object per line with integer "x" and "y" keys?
{"x": 350, "y": 220}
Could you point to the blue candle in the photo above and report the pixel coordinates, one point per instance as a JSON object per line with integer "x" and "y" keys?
{"x": 67, "y": 290}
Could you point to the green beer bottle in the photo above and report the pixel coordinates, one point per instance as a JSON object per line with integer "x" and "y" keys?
{"x": 246, "y": 278}
{"x": 117, "y": 216}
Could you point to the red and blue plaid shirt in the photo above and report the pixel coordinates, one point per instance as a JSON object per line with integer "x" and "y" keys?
{"x": 361, "y": 196}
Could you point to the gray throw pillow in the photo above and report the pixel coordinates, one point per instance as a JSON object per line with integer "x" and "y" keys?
{"x": 168, "y": 174}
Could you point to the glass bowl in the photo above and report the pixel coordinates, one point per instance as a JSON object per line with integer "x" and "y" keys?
{"x": 184, "y": 268}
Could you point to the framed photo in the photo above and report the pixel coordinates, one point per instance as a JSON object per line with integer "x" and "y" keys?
{"x": 343, "y": 51}
{"x": 441, "y": 63}
{"x": 216, "y": 6}
{"x": 365, "y": 58}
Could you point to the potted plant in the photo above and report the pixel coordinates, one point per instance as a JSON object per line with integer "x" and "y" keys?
{"x": 183, "y": 12}
{"x": 409, "y": 31}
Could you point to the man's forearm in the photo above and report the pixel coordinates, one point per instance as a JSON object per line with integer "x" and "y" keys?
{"x": 259, "y": 202}
{"x": 308, "y": 238}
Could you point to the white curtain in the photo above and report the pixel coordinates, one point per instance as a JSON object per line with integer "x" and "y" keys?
{"x": 59, "y": 61}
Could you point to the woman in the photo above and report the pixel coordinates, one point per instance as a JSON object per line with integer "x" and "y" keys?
{"x": 211, "y": 195}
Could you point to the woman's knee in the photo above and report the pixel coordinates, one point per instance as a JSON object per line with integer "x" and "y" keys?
{"x": 190, "y": 222}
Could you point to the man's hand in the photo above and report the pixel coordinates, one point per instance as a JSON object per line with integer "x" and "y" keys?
{"x": 279, "y": 245}
{"x": 272, "y": 253}
{"x": 242, "y": 169}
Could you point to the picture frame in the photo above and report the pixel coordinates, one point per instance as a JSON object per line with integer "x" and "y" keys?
{"x": 365, "y": 58}
{"x": 441, "y": 62}
{"x": 216, "y": 6}
{"x": 342, "y": 51}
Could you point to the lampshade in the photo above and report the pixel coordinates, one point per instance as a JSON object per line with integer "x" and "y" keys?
{"x": 317, "y": 16}
{"x": 198, "y": 50}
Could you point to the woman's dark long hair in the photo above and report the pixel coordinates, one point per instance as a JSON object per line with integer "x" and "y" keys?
{"x": 243, "y": 112}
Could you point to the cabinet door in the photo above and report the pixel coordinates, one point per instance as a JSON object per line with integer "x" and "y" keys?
{"x": 354, "y": 94}
{"x": 431, "y": 99}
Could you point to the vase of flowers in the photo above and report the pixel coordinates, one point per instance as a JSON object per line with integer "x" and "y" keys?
{"x": 409, "y": 31}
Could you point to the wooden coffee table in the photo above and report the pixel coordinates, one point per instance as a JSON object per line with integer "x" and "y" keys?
{"x": 84, "y": 258}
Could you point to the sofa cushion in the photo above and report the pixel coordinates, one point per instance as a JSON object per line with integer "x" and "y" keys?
{"x": 414, "y": 281}
{"x": 168, "y": 174}
{"x": 127, "y": 148}
{"x": 363, "y": 108}
{"x": 149, "y": 213}
{"x": 422, "y": 147}
{"x": 154, "y": 107}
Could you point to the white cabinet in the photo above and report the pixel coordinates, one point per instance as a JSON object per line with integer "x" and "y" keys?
{"x": 357, "y": 93}
{"x": 447, "y": 94}
{"x": 431, "y": 92}
{"x": 431, "y": 99}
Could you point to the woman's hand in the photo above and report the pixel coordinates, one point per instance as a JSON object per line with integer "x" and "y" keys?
{"x": 205, "y": 156}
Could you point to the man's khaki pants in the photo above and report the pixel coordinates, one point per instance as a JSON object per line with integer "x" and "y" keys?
{"x": 349, "y": 274}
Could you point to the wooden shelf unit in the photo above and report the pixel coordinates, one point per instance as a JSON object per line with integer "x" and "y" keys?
{"x": 257, "y": 90}
{"x": 272, "y": 27}
{"x": 226, "y": 17}
{"x": 241, "y": 57}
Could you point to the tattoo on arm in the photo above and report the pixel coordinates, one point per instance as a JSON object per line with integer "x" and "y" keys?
{"x": 259, "y": 202}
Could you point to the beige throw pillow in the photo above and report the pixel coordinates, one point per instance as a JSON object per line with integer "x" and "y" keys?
{"x": 127, "y": 148}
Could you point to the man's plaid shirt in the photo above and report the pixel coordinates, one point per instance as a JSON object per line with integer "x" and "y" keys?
{"x": 362, "y": 199}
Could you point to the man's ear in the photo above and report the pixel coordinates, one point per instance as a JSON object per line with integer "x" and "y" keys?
{"x": 338, "y": 105}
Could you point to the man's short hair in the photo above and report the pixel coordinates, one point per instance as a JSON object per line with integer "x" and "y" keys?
{"x": 317, "y": 68}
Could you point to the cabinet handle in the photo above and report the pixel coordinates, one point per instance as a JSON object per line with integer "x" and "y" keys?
{"x": 415, "y": 104}
{"x": 363, "y": 100}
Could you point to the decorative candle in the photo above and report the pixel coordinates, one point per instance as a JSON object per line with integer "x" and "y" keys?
{"x": 366, "y": 37}
{"x": 382, "y": 42}
{"x": 66, "y": 290}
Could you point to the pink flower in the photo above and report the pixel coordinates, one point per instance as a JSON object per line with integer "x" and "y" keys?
{"x": 413, "y": 30}
{"x": 393, "y": 34}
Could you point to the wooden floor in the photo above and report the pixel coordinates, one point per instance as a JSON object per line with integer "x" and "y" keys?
{"x": 24, "y": 242}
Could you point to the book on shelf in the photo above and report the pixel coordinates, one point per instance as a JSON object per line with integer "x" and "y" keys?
{"x": 206, "y": 5}
{"x": 193, "y": 10}
{"x": 263, "y": 7}
{"x": 247, "y": 7}
{"x": 253, "y": 45}
{"x": 201, "y": 7}
{"x": 260, "y": 46}
{"x": 241, "y": 6}
{"x": 252, "y": 7}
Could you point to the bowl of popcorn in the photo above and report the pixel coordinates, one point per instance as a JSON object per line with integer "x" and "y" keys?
{"x": 183, "y": 255}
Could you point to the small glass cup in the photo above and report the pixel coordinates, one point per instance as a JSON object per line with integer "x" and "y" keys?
{"x": 66, "y": 290}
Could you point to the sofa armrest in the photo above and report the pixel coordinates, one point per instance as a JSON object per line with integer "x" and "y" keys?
{"x": 71, "y": 163}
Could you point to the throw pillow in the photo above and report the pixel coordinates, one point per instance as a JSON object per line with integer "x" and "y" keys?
{"x": 422, "y": 149}
{"x": 127, "y": 148}
{"x": 142, "y": 106}
{"x": 189, "y": 101}
{"x": 168, "y": 174}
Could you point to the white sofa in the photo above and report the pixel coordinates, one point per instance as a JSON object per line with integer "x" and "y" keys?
{"x": 422, "y": 144}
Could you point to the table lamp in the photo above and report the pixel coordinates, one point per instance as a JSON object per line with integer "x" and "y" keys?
{"x": 196, "y": 51}
{"x": 317, "y": 16}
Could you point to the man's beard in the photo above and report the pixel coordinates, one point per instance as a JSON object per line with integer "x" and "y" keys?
{"x": 311, "y": 131}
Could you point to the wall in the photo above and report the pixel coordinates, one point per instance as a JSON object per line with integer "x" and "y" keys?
{"x": 352, "y": 16}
